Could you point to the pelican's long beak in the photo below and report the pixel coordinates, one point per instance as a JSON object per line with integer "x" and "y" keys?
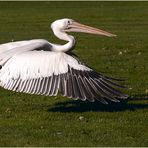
{"x": 77, "y": 27}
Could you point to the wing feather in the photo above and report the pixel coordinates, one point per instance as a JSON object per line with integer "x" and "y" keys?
{"x": 48, "y": 79}
{"x": 61, "y": 88}
{"x": 32, "y": 86}
{"x": 53, "y": 85}
{"x": 50, "y": 86}
{"x": 68, "y": 85}
{"x": 43, "y": 85}
{"x": 36, "y": 86}
{"x": 39, "y": 91}
{"x": 56, "y": 85}
{"x": 112, "y": 90}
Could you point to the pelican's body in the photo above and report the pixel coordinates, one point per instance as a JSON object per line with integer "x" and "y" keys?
{"x": 40, "y": 67}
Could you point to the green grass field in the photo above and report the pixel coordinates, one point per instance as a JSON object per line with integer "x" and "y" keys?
{"x": 31, "y": 120}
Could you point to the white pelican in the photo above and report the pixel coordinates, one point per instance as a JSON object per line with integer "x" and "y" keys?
{"x": 40, "y": 67}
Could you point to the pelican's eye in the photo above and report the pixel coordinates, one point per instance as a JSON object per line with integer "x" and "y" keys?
{"x": 69, "y": 22}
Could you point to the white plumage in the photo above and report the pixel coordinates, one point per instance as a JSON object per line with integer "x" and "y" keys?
{"x": 29, "y": 65}
{"x": 39, "y": 67}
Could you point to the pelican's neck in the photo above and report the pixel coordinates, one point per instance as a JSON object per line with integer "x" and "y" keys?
{"x": 63, "y": 36}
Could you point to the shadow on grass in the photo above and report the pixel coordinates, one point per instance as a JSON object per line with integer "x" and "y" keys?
{"x": 80, "y": 106}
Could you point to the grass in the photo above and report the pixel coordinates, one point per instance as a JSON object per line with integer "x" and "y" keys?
{"x": 31, "y": 120}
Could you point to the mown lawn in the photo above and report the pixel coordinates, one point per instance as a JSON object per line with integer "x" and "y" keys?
{"x": 31, "y": 120}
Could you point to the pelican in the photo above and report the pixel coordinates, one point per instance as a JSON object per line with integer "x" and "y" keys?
{"x": 39, "y": 67}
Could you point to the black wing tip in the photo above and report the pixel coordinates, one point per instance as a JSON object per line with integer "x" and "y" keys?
{"x": 102, "y": 75}
{"x": 109, "y": 92}
{"x": 115, "y": 78}
{"x": 103, "y": 100}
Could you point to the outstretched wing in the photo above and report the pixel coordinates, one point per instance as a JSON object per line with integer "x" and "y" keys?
{"x": 46, "y": 73}
{"x": 10, "y": 49}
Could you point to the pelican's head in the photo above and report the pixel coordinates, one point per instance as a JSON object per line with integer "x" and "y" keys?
{"x": 69, "y": 25}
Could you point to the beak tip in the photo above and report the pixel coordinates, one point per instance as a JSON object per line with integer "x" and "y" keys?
{"x": 113, "y": 35}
